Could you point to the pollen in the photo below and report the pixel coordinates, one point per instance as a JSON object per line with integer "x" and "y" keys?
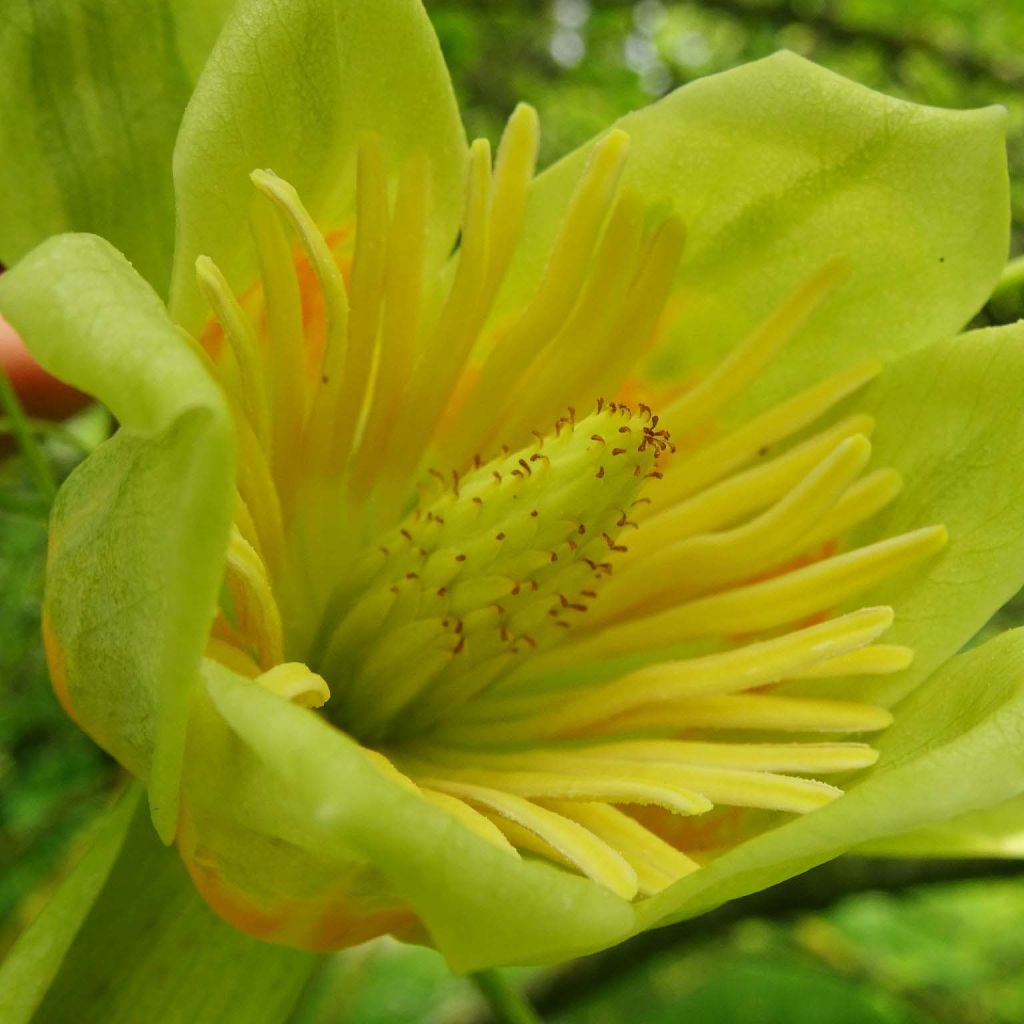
{"x": 580, "y": 616}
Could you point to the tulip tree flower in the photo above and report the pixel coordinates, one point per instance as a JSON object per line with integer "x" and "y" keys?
{"x": 509, "y": 561}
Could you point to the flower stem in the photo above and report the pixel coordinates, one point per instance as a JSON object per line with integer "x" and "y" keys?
{"x": 18, "y": 425}
{"x": 507, "y": 1002}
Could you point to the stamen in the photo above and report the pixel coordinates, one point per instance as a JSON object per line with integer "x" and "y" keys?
{"x": 709, "y": 561}
{"x": 368, "y": 272}
{"x": 473, "y": 820}
{"x": 553, "y": 300}
{"x": 256, "y": 618}
{"x": 453, "y": 335}
{"x": 736, "y": 372}
{"x": 742, "y": 494}
{"x": 723, "y": 457}
{"x": 579, "y": 846}
{"x": 286, "y": 346}
{"x": 656, "y": 863}
{"x": 400, "y": 326}
{"x": 877, "y": 660}
{"x": 793, "y": 655}
{"x": 294, "y": 682}
{"x": 760, "y": 606}
{"x": 242, "y": 340}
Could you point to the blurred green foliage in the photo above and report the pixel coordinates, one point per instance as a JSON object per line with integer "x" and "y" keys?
{"x": 950, "y": 954}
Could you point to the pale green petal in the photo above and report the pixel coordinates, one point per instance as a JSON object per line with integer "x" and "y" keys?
{"x": 139, "y": 531}
{"x": 127, "y": 939}
{"x": 949, "y": 419}
{"x": 780, "y": 167}
{"x": 957, "y": 745}
{"x": 291, "y": 86}
{"x": 91, "y": 95}
{"x": 480, "y": 905}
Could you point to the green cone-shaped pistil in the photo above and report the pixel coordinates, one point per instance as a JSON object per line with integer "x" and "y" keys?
{"x": 500, "y": 563}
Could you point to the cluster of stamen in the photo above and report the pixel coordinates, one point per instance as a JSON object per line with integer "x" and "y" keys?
{"x": 546, "y": 642}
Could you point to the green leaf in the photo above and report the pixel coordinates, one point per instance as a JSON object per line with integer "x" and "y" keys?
{"x": 957, "y": 745}
{"x": 948, "y": 418}
{"x": 127, "y": 939}
{"x": 321, "y": 800}
{"x": 291, "y": 85}
{"x": 779, "y": 167}
{"x": 91, "y": 95}
{"x": 139, "y": 531}
{"x": 36, "y": 958}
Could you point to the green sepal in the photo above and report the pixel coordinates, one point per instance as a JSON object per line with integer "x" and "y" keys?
{"x": 291, "y": 86}
{"x": 126, "y": 938}
{"x": 139, "y": 531}
{"x": 91, "y": 95}
{"x": 481, "y": 906}
{"x": 954, "y": 748}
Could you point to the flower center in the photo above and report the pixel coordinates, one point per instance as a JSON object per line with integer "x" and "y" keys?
{"x": 475, "y": 636}
{"x": 499, "y": 564}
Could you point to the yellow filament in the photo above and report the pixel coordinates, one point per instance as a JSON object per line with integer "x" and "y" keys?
{"x": 735, "y": 373}
{"x": 568, "y": 780}
{"x": 631, "y": 333}
{"x": 552, "y": 302}
{"x": 578, "y": 845}
{"x": 513, "y": 170}
{"x": 879, "y": 659}
{"x": 761, "y": 711}
{"x": 675, "y": 784}
{"x": 457, "y": 326}
{"x": 242, "y": 340}
{"x": 318, "y": 438}
{"x": 863, "y": 500}
{"x": 775, "y": 602}
{"x": 255, "y": 608}
{"x": 473, "y": 820}
{"x": 552, "y": 380}
{"x": 332, "y": 286}
{"x": 656, "y": 863}
{"x": 246, "y": 525}
{"x": 258, "y": 492}
{"x": 750, "y": 491}
{"x": 742, "y": 668}
{"x": 286, "y": 349}
{"x": 724, "y": 456}
{"x": 400, "y": 326}
{"x": 707, "y": 562}
{"x": 810, "y": 758}
{"x": 368, "y": 269}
